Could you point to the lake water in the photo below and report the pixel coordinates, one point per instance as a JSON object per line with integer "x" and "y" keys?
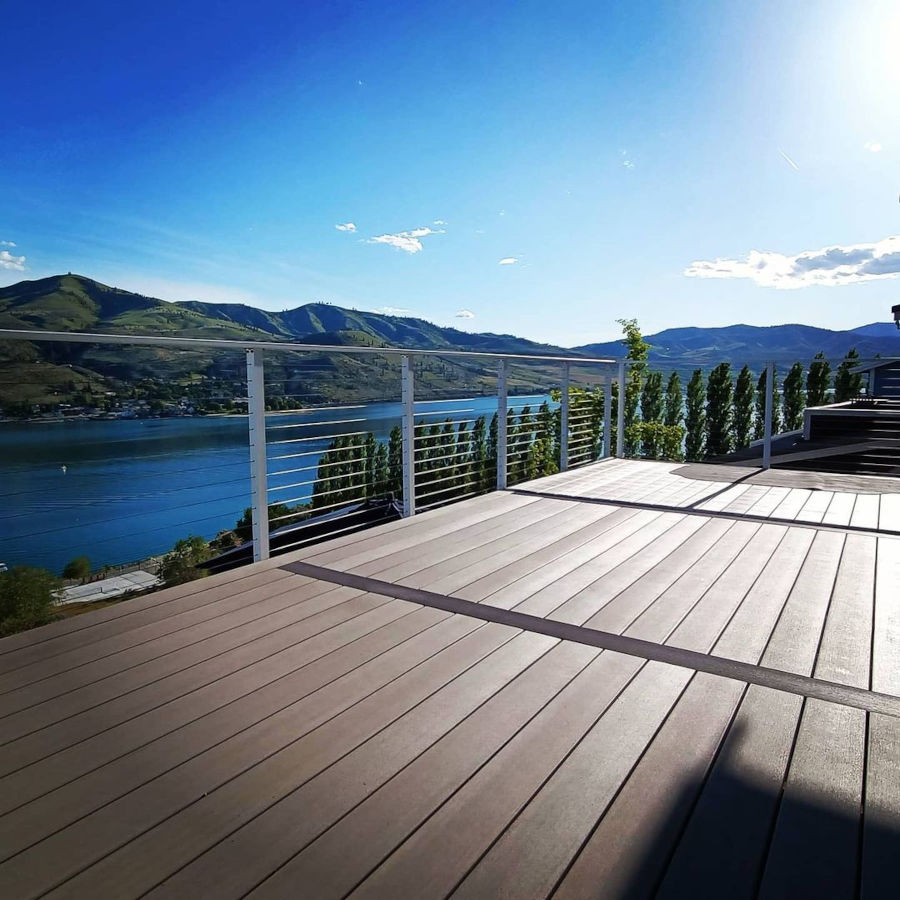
{"x": 131, "y": 488}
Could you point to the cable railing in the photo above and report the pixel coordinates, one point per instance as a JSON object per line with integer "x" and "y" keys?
{"x": 316, "y": 441}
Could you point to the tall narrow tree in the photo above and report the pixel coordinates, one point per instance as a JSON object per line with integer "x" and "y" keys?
{"x": 719, "y": 411}
{"x": 793, "y": 398}
{"x": 638, "y": 350}
{"x": 743, "y": 408}
{"x": 695, "y": 417}
{"x": 847, "y": 385}
{"x": 817, "y": 380}
{"x": 651, "y": 413}
{"x": 674, "y": 401}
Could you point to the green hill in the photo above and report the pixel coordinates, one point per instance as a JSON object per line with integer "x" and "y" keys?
{"x": 46, "y": 375}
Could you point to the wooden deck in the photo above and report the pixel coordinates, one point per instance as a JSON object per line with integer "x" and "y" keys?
{"x": 271, "y": 734}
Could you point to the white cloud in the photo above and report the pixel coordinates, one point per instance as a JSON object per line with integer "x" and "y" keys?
{"x": 438, "y": 222}
{"x": 7, "y": 243}
{"x": 393, "y": 311}
{"x": 508, "y": 261}
{"x": 872, "y": 146}
{"x": 407, "y": 241}
{"x": 789, "y": 161}
{"x": 829, "y": 266}
{"x": 347, "y": 226}
{"x": 628, "y": 164}
{"x": 8, "y": 261}
{"x": 465, "y": 314}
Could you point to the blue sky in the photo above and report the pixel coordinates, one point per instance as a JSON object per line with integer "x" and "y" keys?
{"x": 693, "y": 163}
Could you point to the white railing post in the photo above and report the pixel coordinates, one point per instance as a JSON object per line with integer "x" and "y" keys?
{"x": 256, "y": 410}
{"x": 607, "y": 415}
{"x": 770, "y": 397}
{"x": 564, "y": 421}
{"x": 407, "y": 393}
{"x": 502, "y": 419}
{"x": 620, "y": 417}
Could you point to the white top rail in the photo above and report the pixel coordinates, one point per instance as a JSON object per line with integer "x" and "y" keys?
{"x": 77, "y": 337}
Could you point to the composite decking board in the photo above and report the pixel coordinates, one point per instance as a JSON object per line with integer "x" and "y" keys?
{"x": 374, "y": 545}
{"x": 124, "y": 639}
{"x": 91, "y": 792}
{"x": 840, "y": 510}
{"x": 629, "y": 845}
{"x": 727, "y": 837}
{"x": 215, "y": 631}
{"x": 399, "y": 676}
{"x": 302, "y": 813}
{"x": 49, "y": 760}
{"x": 579, "y": 791}
{"x": 865, "y": 512}
{"x": 454, "y": 838}
{"x": 18, "y": 664}
{"x": 331, "y": 656}
{"x": 614, "y": 562}
{"x": 881, "y": 822}
{"x": 889, "y": 512}
{"x": 414, "y": 792}
{"x": 463, "y": 575}
{"x": 141, "y": 863}
{"x": 627, "y": 852}
{"x": 184, "y": 843}
{"x": 790, "y": 507}
{"x": 158, "y": 677}
{"x": 358, "y": 840}
{"x": 482, "y": 533}
{"x": 455, "y": 564}
{"x": 814, "y": 846}
{"x": 486, "y": 505}
{"x": 815, "y": 508}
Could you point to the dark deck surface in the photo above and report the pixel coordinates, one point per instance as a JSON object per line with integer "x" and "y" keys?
{"x": 266, "y": 733}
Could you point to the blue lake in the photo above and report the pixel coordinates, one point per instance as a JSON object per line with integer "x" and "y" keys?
{"x": 131, "y": 488}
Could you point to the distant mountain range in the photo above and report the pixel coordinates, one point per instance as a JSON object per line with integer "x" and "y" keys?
{"x": 754, "y": 345}
{"x": 37, "y": 373}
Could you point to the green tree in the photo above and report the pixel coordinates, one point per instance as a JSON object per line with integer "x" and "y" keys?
{"x": 719, "y": 411}
{"x": 817, "y": 380}
{"x": 182, "y": 563}
{"x": 26, "y": 599}
{"x": 382, "y": 470}
{"x": 279, "y": 515}
{"x": 759, "y": 424}
{"x": 638, "y": 350}
{"x": 847, "y": 385}
{"x": 743, "y": 408}
{"x": 479, "y": 455}
{"x": 395, "y": 462}
{"x": 79, "y": 567}
{"x": 793, "y": 398}
{"x": 695, "y": 417}
{"x": 674, "y": 414}
{"x": 651, "y": 413}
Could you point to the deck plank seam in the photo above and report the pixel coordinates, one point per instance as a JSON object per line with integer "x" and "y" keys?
{"x": 260, "y": 687}
{"x": 821, "y": 689}
{"x": 254, "y": 764}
